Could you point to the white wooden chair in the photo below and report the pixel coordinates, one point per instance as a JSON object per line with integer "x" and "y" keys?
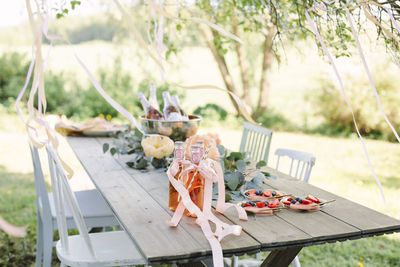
{"x": 303, "y": 163}
{"x": 95, "y": 210}
{"x": 256, "y": 142}
{"x": 98, "y": 249}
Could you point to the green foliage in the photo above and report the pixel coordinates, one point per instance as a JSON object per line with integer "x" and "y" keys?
{"x": 13, "y": 70}
{"x": 328, "y": 103}
{"x": 129, "y": 143}
{"x": 211, "y": 111}
{"x": 271, "y": 118}
{"x": 239, "y": 171}
{"x": 95, "y": 30}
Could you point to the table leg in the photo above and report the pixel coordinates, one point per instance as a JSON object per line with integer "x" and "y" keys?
{"x": 281, "y": 258}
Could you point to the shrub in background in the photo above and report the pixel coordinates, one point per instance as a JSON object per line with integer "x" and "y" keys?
{"x": 328, "y": 103}
{"x": 212, "y": 111}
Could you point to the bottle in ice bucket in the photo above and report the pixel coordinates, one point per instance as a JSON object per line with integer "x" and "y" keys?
{"x": 151, "y": 112}
{"x": 179, "y": 153}
{"x": 171, "y": 113}
{"x": 175, "y": 101}
{"x": 195, "y": 183}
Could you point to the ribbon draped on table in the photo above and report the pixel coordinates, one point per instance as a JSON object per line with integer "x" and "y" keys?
{"x": 212, "y": 172}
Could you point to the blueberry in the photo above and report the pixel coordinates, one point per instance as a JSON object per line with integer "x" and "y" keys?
{"x": 297, "y": 199}
{"x": 301, "y": 201}
{"x": 273, "y": 193}
{"x": 293, "y": 201}
{"x": 259, "y": 193}
{"x": 252, "y": 203}
{"x": 266, "y": 203}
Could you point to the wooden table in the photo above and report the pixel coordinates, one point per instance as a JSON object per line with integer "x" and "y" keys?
{"x": 140, "y": 202}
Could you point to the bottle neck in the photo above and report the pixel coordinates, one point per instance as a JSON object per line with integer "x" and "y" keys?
{"x": 143, "y": 100}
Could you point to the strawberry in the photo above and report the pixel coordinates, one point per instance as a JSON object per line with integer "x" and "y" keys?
{"x": 251, "y": 192}
{"x": 267, "y": 193}
{"x": 286, "y": 202}
{"x": 289, "y": 199}
{"x": 260, "y": 204}
{"x": 306, "y": 201}
{"x": 247, "y": 204}
{"x": 278, "y": 193}
{"x": 274, "y": 204}
{"x": 313, "y": 199}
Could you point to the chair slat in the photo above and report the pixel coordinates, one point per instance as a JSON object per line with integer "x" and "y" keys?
{"x": 255, "y": 142}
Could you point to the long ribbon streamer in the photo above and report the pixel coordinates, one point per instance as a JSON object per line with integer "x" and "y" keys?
{"x": 378, "y": 100}
{"x": 315, "y": 31}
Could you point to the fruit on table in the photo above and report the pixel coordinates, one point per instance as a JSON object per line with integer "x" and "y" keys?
{"x": 313, "y": 199}
{"x": 273, "y": 204}
{"x": 308, "y": 203}
{"x": 255, "y": 194}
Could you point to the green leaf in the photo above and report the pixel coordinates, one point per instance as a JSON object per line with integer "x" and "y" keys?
{"x": 59, "y": 15}
{"x": 260, "y": 164}
{"x": 236, "y": 156}
{"x": 178, "y": 27}
{"x": 221, "y": 150}
{"x": 106, "y": 146}
{"x": 228, "y": 197}
{"x": 113, "y": 151}
{"x": 65, "y": 11}
{"x": 267, "y": 174}
{"x": 141, "y": 164}
{"x": 241, "y": 165}
{"x": 233, "y": 182}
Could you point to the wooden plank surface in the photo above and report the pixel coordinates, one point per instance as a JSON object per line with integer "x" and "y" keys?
{"x": 368, "y": 221}
{"x": 140, "y": 201}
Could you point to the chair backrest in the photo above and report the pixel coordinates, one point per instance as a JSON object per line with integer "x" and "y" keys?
{"x": 304, "y": 160}
{"x": 63, "y": 194}
{"x": 42, "y": 197}
{"x": 256, "y": 142}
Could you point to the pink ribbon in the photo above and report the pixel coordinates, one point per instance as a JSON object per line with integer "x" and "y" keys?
{"x": 321, "y": 41}
{"x": 211, "y": 171}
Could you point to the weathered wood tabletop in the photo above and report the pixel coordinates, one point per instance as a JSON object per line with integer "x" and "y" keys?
{"x": 140, "y": 202}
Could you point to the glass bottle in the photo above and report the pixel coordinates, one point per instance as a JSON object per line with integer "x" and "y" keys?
{"x": 200, "y": 143}
{"x": 179, "y": 153}
{"x": 175, "y": 101}
{"x": 195, "y": 183}
{"x": 170, "y": 111}
{"x": 153, "y": 96}
{"x": 150, "y": 111}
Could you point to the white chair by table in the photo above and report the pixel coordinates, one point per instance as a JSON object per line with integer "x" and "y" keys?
{"x": 256, "y": 142}
{"x": 96, "y": 249}
{"x": 96, "y": 212}
{"x": 303, "y": 162}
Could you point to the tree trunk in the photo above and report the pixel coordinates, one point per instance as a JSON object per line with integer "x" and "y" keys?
{"x": 222, "y": 66}
{"x": 243, "y": 66}
{"x": 263, "y": 97}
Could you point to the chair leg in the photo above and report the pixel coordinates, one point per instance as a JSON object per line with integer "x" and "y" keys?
{"x": 39, "y": 242}
{"x": 235, "y": 260}
{"x": 296, "y": 262}
{"x": 48, "y": 247}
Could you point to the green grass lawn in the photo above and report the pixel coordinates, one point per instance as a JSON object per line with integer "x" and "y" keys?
{"x": 340, "y": 168}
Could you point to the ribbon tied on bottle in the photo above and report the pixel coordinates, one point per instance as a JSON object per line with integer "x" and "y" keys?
{"x": 212, "y": 172}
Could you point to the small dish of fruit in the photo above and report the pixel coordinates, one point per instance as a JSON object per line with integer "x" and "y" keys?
{"x": 258, "y": 194}
{"x": 261, "y": 207}
{"x": 308, "y": 203}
